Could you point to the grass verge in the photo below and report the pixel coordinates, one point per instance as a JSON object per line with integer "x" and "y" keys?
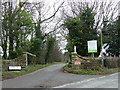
{"x": 29, "y": 69}
{"x": 100, "y": 71}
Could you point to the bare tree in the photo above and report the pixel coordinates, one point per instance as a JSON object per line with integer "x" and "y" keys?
{"x": 42, "y": 12}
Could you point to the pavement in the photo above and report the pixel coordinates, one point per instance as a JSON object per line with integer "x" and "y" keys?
{"x": 48, "y": 77}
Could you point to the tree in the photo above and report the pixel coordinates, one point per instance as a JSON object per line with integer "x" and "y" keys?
{"x": 114, "y": 35}
{"x": 81, "y": 29}
{"x": 16, "y": 26}
{"x": 43, "y": 20}
{"x": 105, "y": 11}
{"x": 41, "y": 24}
{"x": 50, "y": 48}
{"x": 57, "y": 55}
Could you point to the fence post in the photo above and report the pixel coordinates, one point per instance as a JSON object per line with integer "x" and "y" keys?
{"x": 26, "y": 60}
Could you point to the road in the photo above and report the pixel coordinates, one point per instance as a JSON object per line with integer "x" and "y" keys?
{"x": 48, "y": 77}
{"x": 109, "y": 81}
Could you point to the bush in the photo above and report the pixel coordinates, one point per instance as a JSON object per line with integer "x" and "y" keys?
{"x": 100, "y": 71}
{"x": 111, "y": 62}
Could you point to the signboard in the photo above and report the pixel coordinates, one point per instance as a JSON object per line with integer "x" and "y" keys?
{"x": 14, "y": 68}
{"x": 77, "y": 62}
{"x": 92, "y": 46}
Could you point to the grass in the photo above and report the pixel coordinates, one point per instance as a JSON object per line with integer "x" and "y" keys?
{"x": 29, "y": 69}
{"x": 100, "y": 71}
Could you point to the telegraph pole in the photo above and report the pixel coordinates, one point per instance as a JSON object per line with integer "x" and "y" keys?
{"x": 102, "y": 50}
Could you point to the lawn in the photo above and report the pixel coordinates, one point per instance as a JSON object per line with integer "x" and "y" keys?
{"x": 29, "y": 69}
{"x": 100, "y": 71}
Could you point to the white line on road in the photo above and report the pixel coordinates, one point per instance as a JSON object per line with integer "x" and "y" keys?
{"x": 113, "y": 74}
{"x": 82, "y": 81}
{"x": 74, "y": 83}
{"x": 102, "y": 77}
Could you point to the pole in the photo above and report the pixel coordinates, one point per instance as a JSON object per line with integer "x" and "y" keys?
{"x": 93, "y": 55}
{"x": 0, "y": 22}
{"x": 75, "y": 49}
{"x": 101, "y": 51}
{"x": 26, "y": 60}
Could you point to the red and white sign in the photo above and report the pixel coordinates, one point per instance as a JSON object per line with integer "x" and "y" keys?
{"x": 77, "y": 62}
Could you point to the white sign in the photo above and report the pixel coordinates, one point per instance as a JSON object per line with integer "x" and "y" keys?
{"x": 14, "y": 68}
{"x": 92, "y": 46}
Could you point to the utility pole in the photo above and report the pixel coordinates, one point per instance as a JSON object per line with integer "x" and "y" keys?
{"x": 0, "y": 28}
{"x": 102, "y": 50}
{"x": 102, "y": 44}
{"x": 118, "y": 26}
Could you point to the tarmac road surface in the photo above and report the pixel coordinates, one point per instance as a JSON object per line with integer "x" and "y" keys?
{"x": 109, "y": 81}
{"x": 52, "y": 76}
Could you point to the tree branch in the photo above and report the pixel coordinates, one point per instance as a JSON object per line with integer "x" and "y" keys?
{"x": 53, "y": 14}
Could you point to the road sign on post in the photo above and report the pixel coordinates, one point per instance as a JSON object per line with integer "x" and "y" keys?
{"x": 92, "y": 46}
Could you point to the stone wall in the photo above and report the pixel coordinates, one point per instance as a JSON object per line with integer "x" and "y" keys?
{"x": 79, "y": 62}
{"x": 20, "y": 61}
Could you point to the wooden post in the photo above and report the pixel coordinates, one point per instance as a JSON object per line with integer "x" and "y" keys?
{"x": 26, "y": 54}
{"x": 92, "y": 55}
{"x": 26, "y": 60}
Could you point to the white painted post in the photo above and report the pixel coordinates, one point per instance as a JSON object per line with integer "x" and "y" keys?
{"x": 26, "y": 60}
{"x": 75, "y": 49}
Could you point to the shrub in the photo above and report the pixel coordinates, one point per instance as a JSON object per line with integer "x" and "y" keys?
{"x": 111, "y": 62}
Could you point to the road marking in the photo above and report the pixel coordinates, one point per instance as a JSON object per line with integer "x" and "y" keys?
{"x": 74, "y": 83}
{"x": 102, "y": 77}
{"x": 82, "y": 81}
{"x": 113, "y": 74}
